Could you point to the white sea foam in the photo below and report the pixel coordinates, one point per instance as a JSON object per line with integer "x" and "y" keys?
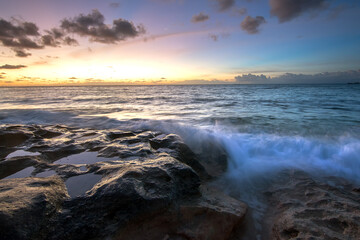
{"x": 256, "y": 155}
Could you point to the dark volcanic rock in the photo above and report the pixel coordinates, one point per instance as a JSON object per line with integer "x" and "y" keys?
{"x": 28, "y": 205}
{"x": 119, "y": 134}
{"x": 173, "y": 145}
{"x": 151, "y": 179}
{"x": 16, "y": 164}
{"x": 13, "y": 138}
{"x": 127, "y": 189}
{"x": 304, "y": 208}
{"x": 213, "y": 216}
{"x": 147, "y": 185}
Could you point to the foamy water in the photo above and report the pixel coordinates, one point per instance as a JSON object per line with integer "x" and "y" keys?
{"x": 263, "y": 128}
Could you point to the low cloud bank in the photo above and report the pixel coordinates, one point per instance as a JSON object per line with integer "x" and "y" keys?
{"x": 291, "y": 78}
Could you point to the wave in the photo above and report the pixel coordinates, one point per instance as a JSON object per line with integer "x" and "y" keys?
{"x": 254, "y": 158}
{"x": 250, "y": 155}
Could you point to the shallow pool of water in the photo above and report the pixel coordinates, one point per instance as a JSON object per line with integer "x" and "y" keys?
{"x": 79, "y": 185}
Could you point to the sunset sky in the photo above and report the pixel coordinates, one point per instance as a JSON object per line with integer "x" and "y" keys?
{"x": 46, "y": 42}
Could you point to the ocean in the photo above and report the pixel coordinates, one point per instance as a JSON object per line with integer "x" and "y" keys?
{"x": 316, "y": 127}
{"x": 263, "y": 128}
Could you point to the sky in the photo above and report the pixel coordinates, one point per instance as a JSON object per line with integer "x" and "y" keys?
{"x": 76, "y": 42}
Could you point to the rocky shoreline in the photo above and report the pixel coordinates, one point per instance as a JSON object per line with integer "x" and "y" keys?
{"x": 58, "y": 182}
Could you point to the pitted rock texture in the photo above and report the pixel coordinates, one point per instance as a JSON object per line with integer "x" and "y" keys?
{"x": 212, "y": 216}
{"x": 141, "y": 176}
{"x": 306, "y": 208}
{"x": 28, "y": 205}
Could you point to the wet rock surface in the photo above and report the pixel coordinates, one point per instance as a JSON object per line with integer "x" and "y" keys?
{"x": 214, "y": 215}
{"x": 94, "y": 184}
{"x": 302, "y": 207}
{"x": 28, "y": 205}
{"x": 58, "y": 182}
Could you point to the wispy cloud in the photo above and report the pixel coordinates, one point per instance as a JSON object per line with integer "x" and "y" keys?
{"x": 114, "y": 4}
{"x": 201, "y": 17}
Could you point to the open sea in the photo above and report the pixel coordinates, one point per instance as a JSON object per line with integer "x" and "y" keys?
{"x": 263, "y": 128}
{"x": 315, "y": 127}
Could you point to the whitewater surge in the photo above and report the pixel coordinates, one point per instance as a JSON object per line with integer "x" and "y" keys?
{"x": 262, "y": 129}
{"x": 251, "y": 155}
{"x": 256, "y": 132}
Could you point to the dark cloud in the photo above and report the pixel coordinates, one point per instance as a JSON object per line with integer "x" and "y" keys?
{"x": 21, "y": 53}
{"x": 21, "y": 36}
{"x": 224, "y": 5}
{"x": 291, "y": 78}
{"x": 251, "y": 78}
{"x": 251, "y": 25}
{"x": 20, "y": 43}
{"x": 201, "y": 17}
{"x": 8, "y": 66}
{"x": 287, "y": 10}
{"x": 49, "y": 40}
{"x": 73, "y": 78}
{"x": 326, "y": 77}
{"x": 56, "y": 37}
{"x": 17, "y": 29}
{"x": 56, "y": 33}
{"x": 70, "y": 41}
{"x": 214, "y": 37}
{"x": 114, "y": 5}
{"x": 93, "y": 27}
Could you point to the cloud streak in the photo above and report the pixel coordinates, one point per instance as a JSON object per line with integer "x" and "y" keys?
{"x": 251, "y": 25}
{"x": 8, "y": 66}
{"x": 286, "y": 10}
